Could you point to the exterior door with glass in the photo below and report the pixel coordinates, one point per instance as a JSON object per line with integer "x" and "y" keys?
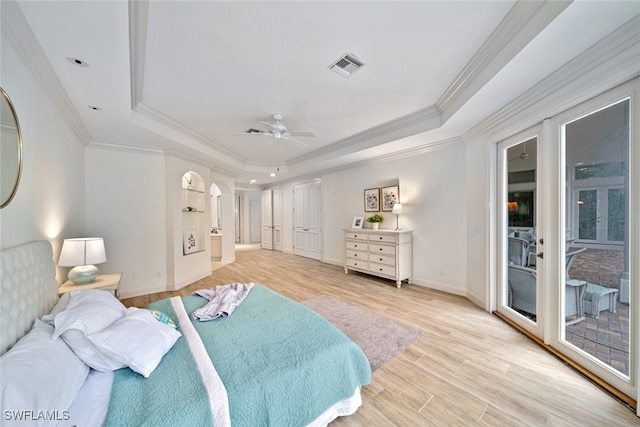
{"x": 520, "y": 290}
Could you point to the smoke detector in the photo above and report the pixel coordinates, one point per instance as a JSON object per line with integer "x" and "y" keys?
{"x": 346, "y": 65}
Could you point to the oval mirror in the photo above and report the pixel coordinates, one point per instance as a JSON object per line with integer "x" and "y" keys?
{"x": 10, "y": 150}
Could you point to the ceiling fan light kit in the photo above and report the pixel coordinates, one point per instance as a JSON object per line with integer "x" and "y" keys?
{"x": 277, "y": 130}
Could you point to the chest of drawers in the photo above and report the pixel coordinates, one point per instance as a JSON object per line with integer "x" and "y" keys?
{"x": 383, "y": 253}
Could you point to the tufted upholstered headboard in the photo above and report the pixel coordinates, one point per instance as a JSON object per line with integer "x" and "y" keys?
{"x": 28, "y": 289}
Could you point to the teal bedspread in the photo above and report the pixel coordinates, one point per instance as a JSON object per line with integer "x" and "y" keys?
{"x": 281, "y": 364}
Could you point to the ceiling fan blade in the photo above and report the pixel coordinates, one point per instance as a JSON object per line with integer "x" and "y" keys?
{"x": 254, "y": 133}
{"x": 268, "y": 125}
{"x": 301, "y": 133}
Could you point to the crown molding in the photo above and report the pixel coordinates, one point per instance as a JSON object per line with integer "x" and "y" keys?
{"x": 101, "y": 145}
{"x": 17, "y": 32}
{"x": 523, "y": 23}
{"x": 155, "y": 121}
{"x": 411, "y": 124}
{"x": 138, "y": 25}
{"x": 384, "y": 158}
{"x": 609, "y": 63}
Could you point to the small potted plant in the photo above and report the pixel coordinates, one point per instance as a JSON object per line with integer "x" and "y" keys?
{"x": 375, "y": 220}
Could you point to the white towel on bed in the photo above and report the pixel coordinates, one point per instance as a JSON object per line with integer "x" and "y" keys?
{"x": 222, "y": 300}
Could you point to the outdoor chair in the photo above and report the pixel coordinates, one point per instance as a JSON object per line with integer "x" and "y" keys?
{"x": 596, "y": 298}
{"x": 518, "y": 251}
{"x": 522, "y": 289}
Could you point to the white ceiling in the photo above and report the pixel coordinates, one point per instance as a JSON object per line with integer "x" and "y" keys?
{"x": 184, "y": 77}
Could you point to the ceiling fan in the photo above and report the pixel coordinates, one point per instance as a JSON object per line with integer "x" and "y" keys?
{"x": 277, "y": 130}
{"x": 524, "y": 155}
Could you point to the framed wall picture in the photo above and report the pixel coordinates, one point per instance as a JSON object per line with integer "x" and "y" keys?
{"x": 357, "y": 222}
{"x": 190, "y": 241}
{"x": 390, "y": 196}
{"x": 372, "y": 200}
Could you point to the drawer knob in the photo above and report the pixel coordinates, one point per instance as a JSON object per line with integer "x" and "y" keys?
{"x": 380, "y": 259}
{"x": 380, "y": 269}
{"x": 355, "y": 255}
{"x": 380, "y": 248}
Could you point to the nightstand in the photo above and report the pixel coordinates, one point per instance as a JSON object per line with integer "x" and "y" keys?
{"x": 105, "y": 282}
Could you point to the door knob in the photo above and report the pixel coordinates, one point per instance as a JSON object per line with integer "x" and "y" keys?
{"x": 540, "y": 255}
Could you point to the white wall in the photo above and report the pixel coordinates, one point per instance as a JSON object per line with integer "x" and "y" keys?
{"x": 183, "y": 270}
{"x": 480, "y": 179}
{"x": 50, "y": 200}
{"x": 432, "y": 193}
{"x": 125, "y": 204}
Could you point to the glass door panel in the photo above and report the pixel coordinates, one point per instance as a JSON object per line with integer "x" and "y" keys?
{"x": 520, "y": 298}
{"x": 596, "y": 313}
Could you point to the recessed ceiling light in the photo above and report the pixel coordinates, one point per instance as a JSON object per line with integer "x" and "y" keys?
{"x": 272, "y": 174}
{"x": 253, "y": 181}
{"x": 94, "y": 108}
{"x": 78, "y": 62}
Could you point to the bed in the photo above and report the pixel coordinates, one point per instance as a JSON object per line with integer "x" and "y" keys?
{"x": 272, "y": 362}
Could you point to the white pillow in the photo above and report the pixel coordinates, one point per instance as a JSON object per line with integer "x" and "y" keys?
{"x": 138, "y": 341}
{"x": 39, "y": 374}
{"x": 60, "y": 306}
{"x": 88, "y": 311}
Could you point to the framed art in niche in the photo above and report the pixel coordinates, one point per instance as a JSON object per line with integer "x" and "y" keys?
{"x": 190, "y": 241}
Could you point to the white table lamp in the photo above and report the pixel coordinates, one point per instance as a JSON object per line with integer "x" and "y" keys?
{"x": 82, "y": 254}
{"x": 397, "y": 211}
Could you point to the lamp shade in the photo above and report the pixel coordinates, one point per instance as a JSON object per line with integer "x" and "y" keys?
{"x": 85, "y": 251}
{"x": 82, "y": 254}
{"x": 397, "y": 209}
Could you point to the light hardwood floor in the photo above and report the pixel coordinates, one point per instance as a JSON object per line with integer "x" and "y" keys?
{"x": 469, "y": 367}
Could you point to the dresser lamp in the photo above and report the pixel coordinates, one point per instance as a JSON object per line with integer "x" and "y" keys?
{"x": 397, "y": 211}
{"x": 82, "y": 254}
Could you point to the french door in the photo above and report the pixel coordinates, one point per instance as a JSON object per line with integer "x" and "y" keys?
{"x": 598, "y": 216}
{"x": 594, "y": 199}
{"x": 521, "y": 292}
{"x": 573, "y": 182}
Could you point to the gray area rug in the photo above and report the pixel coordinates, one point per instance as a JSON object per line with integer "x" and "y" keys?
{"x": 380, "y": 338}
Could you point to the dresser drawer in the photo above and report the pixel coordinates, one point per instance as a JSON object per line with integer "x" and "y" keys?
{"x": 382, "y": 249}
{"x": 382, "y": 238}
{"x": 357, "y": 236}
{"x": 356, "y": 263}
{"x": 383, "y": 259}
{"x": 382, "y": 269}
{"x": 364, "y": 256}
{"x": 357, "y": 245}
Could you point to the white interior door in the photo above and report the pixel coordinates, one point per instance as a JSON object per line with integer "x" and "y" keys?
{"x": 267, "y": 219}
{"x": 277, "y": 219}
{"x": 255, "y": 224}
{"x": 237, "y": 217}
{"x": 307, "y": 214}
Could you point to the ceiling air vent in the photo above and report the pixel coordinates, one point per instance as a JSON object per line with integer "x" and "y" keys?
{"x": 346, "y": 65}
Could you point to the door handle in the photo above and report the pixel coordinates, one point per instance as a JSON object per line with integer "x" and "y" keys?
{"x": 540, "y": 255}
